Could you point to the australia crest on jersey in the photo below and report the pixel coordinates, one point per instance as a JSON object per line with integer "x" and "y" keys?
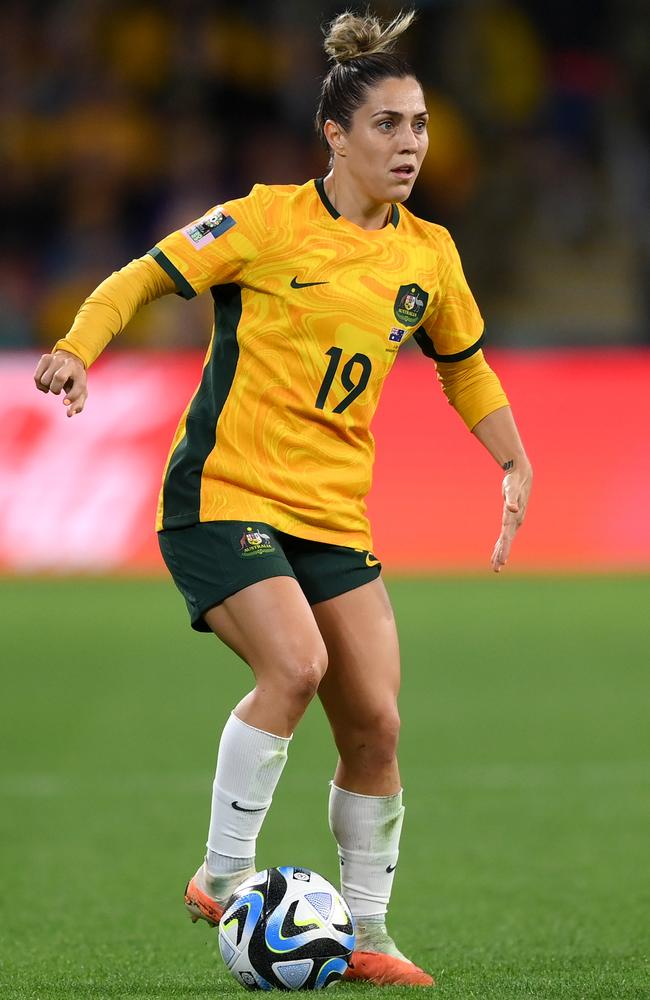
{"x": 410, "y": 303}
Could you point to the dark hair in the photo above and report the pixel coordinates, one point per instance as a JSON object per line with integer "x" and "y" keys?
{"x": 360, "y": 48}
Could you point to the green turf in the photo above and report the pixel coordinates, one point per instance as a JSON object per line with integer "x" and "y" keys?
{"x": 525, "y": 755}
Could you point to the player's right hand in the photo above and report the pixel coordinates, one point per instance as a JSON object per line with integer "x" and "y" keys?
{"x": 62, "y": 370}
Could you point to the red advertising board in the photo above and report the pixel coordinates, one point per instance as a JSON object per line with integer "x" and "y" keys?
{"x": 79, "y": 495}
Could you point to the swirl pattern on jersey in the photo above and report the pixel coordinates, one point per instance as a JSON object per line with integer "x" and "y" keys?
{"x": 306, "y": 331}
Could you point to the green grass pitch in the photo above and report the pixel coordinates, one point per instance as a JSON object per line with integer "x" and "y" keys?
{"x": 525, "y": 753}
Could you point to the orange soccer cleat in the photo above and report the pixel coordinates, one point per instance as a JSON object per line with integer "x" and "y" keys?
{"x": 206, "y": 895}
{"x": 377, "y": 959}
{"x": 386, "y": 970}
{"x": 199, "y": 904}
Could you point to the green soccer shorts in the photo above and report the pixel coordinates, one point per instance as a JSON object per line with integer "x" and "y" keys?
{"x": 213, "y": 560}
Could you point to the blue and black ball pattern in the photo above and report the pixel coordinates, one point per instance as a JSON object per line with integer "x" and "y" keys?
{"x": 267, "y": 945}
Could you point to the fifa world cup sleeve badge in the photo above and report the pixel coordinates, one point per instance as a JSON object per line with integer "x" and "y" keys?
{"x": 410, "y": 303}
{"x": 202, "y": 232}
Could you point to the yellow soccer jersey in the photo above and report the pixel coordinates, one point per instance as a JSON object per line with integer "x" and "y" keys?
{"x": 310, "y": 312}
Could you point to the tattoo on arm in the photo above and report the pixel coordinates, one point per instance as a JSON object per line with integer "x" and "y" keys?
{"x": 507, "y": 466}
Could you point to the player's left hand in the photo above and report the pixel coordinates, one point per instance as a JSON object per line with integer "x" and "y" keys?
{"x": 516, "y": 490}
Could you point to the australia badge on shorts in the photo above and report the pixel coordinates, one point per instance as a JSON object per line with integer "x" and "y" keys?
{"x": 410, "y": 303}
{"x": 254, "y": 542}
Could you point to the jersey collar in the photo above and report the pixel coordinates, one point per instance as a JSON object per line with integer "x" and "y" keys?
{"x": 320, "y": 187}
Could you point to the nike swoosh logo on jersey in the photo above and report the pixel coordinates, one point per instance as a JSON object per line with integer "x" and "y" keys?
{"x": 371, "y": 561}
{"x": 391, "y": 868}
{"x": 243, "y": 809}
{"x": 305, "y": 284}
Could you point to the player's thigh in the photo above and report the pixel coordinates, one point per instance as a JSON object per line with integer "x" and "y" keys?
{"x": 271, "y": 626}
{"x": 362, "y": 682}
{"x": 238, "y": 583}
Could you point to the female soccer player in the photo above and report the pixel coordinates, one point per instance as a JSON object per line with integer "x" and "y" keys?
{"x": 261, "y": 517}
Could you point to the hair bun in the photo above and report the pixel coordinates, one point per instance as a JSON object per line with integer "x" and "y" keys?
{"x": 352, "y": 36}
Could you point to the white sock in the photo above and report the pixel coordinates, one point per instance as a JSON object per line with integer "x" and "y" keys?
{"x": 249, "y": 765}
{"x": 367, "y": 830}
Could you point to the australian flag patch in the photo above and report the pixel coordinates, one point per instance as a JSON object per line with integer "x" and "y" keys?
{"x": 396, "y": 334}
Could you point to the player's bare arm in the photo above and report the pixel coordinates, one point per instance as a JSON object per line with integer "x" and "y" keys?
{"x": 62, "y": 371}
{"x": 498, "y": 433}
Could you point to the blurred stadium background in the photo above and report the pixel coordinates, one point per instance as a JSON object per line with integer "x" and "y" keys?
{"x": 525, "y": 742}
{"x": 121, "y": 121}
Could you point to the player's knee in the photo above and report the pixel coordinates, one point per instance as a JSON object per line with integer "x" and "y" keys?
{"x": 302, "y": 675}
{"x": 373, "y": 737}
{"x": 386, "y": 733}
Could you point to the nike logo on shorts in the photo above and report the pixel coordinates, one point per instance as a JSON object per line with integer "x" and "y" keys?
{"x": 243, "y": 809}
{"x": 306, "y": 284}
{"x": 371, "y": 561}
{"x": 391, "y": 868}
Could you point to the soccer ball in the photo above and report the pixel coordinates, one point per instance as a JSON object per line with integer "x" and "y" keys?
{"x": 288, "y": 929}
